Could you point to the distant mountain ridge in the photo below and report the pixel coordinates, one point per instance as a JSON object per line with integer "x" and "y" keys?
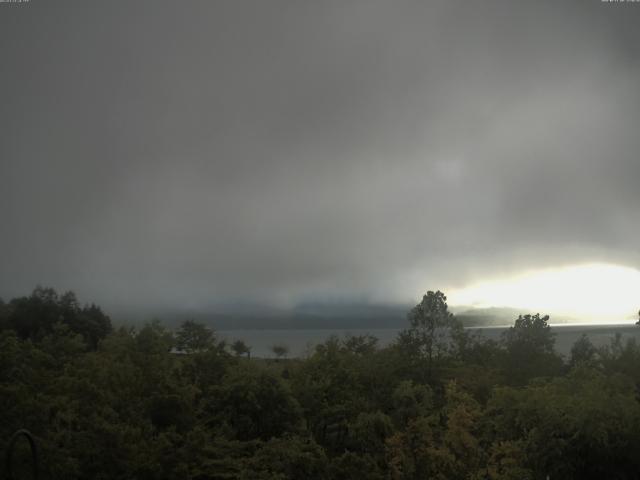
{"x": 333, "y": 316}
{"x": 498, "y": 316}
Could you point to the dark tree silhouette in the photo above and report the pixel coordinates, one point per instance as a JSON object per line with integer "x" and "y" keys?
{"x": 194, "y": 337}
{"x": 240, "y": 348}
{"x": 36, "y": 316}
{"x": 583, "y": 352}
{"x": 530, "y": 334}
{"x": 280, "y": 350}
{"x": 529, "y": 346}
{"x": 433, "y": 329}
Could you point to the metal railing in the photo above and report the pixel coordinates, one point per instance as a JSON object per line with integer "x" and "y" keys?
{"x": 8, "y": 465}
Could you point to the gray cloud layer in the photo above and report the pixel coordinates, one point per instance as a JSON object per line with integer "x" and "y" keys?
{"x": 190, "y": 153}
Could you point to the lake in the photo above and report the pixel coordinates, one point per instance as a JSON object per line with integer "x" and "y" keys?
{"x": 301, "y": 342}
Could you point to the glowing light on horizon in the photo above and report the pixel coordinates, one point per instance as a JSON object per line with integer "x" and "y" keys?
{"x": 596, "y": 291}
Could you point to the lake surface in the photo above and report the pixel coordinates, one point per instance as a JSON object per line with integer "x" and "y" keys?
{"x": 302, "y": 342}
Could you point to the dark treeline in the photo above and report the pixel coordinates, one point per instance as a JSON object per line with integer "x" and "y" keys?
{"x": 439, "y": 403}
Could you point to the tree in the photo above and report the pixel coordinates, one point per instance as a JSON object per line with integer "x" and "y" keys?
{"x": 357, "y": 466}
{"x": 410, "y": 401}
{"x": 35, "y": 316}
{"x": 369, "y": 431}
{"x": 254, "y": 404}
{"x": 461, "y": 438}
{"x": 506, "y": 462}
{"x": 288, "y": 457}
{"x": 360, "y": 344}
{"x": 95, "y": 325}
{"x": 529, "y": 349}
{"x": 583, "y": 352}
{"x": 621, "y": 356}
{"x": 240, "y": 348}
{"x": 153, "y": 338}
{"x": 416, "y": 452}
{"x": 4, "y": 315}
{"x": 577, "y": 426}
{"x": 280, "y": 350}
{"x": 531, "y": 334}
{"x": 194, "y": 337}
{"x": 433, "y": 329}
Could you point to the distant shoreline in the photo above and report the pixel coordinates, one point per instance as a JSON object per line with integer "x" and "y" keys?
{"x": 302, "y": 341}
{"x": 396, "y": 328}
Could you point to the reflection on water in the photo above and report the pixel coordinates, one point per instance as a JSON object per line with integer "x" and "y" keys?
{"x": 301, "y": 342}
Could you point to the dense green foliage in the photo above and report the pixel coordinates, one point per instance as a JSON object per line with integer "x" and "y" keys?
{"x": 439, "y": 403}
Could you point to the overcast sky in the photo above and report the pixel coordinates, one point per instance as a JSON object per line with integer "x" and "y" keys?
{"x": 188, "y": 154}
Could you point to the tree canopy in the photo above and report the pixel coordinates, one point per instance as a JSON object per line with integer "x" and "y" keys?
{"x": 35, "y": 316}
{"x": 194, "y": 337}
{"x": 150, "y": 402}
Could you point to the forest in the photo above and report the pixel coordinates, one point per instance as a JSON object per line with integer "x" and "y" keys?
{"x": 149, "y": 402}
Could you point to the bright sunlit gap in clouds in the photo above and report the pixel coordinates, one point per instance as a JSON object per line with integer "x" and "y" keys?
{"x": 589, "y": 292}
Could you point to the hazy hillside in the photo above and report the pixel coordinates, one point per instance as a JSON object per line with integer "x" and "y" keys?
{"x": 477, "y": 317}
{"x": 333, "y": 316}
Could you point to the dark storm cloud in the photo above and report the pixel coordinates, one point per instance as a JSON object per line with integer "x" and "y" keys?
{"x": 191, "y": 153}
